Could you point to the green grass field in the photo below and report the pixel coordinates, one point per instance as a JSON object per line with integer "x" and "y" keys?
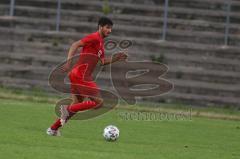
{"x": 23, "y": 125}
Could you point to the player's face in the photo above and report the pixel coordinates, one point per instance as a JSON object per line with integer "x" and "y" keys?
{"x": 106, "y": 30}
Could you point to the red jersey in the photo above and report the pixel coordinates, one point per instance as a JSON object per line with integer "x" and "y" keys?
{"x": 89, "y": 56}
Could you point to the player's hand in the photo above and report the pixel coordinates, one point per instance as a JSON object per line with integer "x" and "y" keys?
{"x": 121, "y": 56}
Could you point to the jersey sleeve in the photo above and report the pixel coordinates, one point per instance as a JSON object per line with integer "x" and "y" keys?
{"x": 89, "y": 39}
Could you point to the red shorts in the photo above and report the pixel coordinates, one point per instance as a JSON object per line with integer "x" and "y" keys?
{"x": 82, "y": 87}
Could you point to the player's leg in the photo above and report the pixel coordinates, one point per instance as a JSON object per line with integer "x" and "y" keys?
{"x": 64, "y": 111}
{"x": 98, "y": 99}
{"x": 53, "y": 130}
{"x": 75, "y": 99}
{"x": 68, "y": 111}
{"x": 91, "y": 90}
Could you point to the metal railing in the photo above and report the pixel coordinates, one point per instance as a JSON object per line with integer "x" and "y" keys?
{"x": 12, "y": 6}
{"x": 58, "y": 12}
{"x": 227, "y": 23}
{"x": 165, "y": 19}
{"x": 58, "y": 17}
{"x": 228, "y": 5}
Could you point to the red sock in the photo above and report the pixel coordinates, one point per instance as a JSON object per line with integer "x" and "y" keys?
{"x": 82, "y": 106}
{"x": 56, "y": 125}
{"x": 75, "y": 108}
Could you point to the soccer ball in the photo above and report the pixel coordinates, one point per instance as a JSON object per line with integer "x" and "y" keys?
{"x": 111, "y": 133}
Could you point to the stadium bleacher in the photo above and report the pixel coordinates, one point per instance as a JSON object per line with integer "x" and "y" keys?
{"x": 204, "y": 71}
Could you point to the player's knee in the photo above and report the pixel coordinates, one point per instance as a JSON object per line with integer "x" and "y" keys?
{"x": 77, "y": 99}
{"x": 99, "y": 102}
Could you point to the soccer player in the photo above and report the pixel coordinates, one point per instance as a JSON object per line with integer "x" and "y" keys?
{"x": 82, "y": 84}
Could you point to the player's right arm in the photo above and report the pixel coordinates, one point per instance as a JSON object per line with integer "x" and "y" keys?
{"x": 72, "y": 51}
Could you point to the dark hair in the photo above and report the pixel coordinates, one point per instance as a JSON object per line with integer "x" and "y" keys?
{"x": 105, "y": 21}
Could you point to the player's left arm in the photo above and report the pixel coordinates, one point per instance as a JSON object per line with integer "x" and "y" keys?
{"x": 121, "y": 56}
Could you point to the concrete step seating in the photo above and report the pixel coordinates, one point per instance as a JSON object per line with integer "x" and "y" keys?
{"x": 59, "y": 53}
{"x": 174, "y": 34}
{"x": 65, "y": 39}
{"x": 120, "y": 30}
{"x": 200, "y": 67}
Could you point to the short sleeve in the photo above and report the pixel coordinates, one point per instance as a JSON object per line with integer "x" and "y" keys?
{"x": 89, "y": 39}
